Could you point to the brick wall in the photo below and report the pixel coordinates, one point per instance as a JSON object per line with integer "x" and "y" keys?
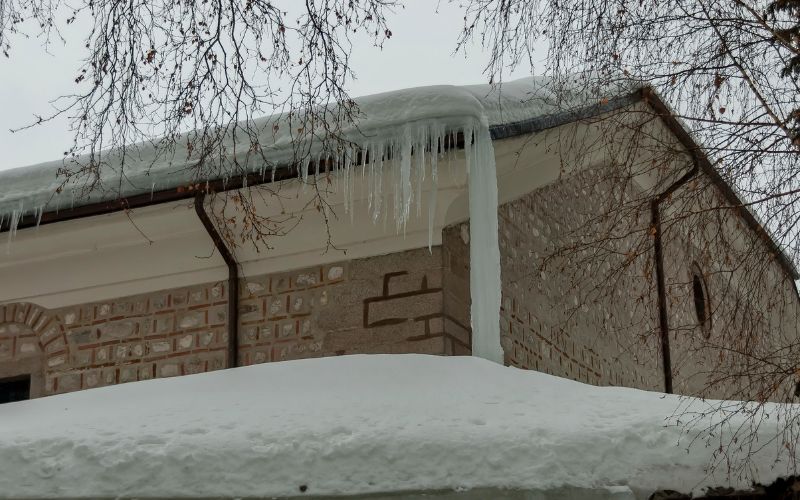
{"x": 385, "y": 304}
{"x": 563, "y": 318}
{"x": 753, "y": 305}
{"x": 579, "y": 293}
{"x": 578, "y": 301}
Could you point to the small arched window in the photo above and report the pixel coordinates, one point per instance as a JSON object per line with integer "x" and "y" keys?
{"x": 702, "y": 304}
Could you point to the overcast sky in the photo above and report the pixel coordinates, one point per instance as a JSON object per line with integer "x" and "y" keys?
{"x": 419, "y": 53}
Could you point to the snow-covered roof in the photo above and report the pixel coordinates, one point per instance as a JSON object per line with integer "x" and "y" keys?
{"x": 357, "y": 425}
{"x": 32, "y": 189}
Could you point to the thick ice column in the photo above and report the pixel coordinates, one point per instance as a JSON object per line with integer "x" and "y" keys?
{"x": 484, "y": 248}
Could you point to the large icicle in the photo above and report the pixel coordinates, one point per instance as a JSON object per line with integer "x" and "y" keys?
{"x": 404, "y": 149}
{"x": 484, "y": 247}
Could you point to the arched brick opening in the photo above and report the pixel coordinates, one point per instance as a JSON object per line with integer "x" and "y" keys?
{"x": 31, "y": 342}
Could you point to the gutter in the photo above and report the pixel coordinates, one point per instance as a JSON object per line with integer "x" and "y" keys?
{"x": 699, "y": 162}
{"x": 233, "y": 279}
{"x": 658, "y": 256}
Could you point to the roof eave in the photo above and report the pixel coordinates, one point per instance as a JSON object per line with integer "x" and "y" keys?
{"x": 651, "y": 97}
{"x": 497, "y": 132}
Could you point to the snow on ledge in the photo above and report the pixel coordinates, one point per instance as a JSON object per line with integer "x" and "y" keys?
{"x": 351, "y": 425}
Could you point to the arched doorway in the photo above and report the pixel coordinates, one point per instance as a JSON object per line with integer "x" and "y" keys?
{"x": 22, "y": 357}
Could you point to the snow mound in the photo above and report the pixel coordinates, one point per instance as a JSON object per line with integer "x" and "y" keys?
{"x": 352, "y": 425}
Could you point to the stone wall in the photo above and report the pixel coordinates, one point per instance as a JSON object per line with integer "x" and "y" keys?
{"x": 559, "y": 314}
{"x": 579, "y": 290}
{"x": 578, "y": 301}
{"x": 385, "y": 304}
{"x": 751, "y": 299}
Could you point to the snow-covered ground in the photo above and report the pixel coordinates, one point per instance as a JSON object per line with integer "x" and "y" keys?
{"x": 357, "y": 425}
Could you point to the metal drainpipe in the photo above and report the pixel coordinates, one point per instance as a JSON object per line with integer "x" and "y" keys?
{"x": 663, "y": 319}
{"x": 233, "y": 279}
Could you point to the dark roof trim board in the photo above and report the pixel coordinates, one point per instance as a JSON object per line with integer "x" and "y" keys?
{"x": 497, "y": 132}
{"x": 649, "y": 96}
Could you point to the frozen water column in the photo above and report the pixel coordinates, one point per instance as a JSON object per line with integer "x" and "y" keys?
{"x": 484, "y": 248}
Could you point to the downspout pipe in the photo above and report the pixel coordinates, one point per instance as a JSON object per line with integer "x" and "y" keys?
{"x": 233, "y": 279}
{"x": 658, "y": 255}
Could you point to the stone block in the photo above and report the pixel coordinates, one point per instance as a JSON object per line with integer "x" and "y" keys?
{"x": 19, "y": 315}
{"x": 218, "y": 315}
{"x": 216, "y": 292}
{"x": 169, "y": 369}
{"x": 70, "y": 317}
{"x": 128, "y": 374}
{"x": 322, "y": 298}
{"x": 251, "y": 310}
{"x": 56, "y": 361}
{"x": 261, "y": 356}
{"x": 6, "y": 349}
{"x": 299, "y": 304}
{"x": 216, "y": 361}
{"x": 194, "y": 365}
{"x": 184, "y": 342}
{"x": 335, "y": 273}
{"x": 281, "y": 283}
{"x": 27, "y": 347}
{"x": 191, "y": 319}
{"x": 307, "y": 278}
{"x": 49, "y": 333}
{"x": 41, "y": 322}
{"x": 33, "y": 316}
{"x": 159, "y": 346}
{"x": 117, "y": 330}
{"x": 179, "y": 298}
{"x": 137, "y": 350}
{"x": 277, "y": 307}
{"x": 91, "y": 379}
{"x": 102, "y": 311}
{"x": 266, "y": 333}
{"x": 121, "y": 352}
{"x": 287, "y": 329}
{"x": 102, "y": 354}
{"x": 82, "y": 357}
{"x": 205, "y": 339}
{"x": 159, "y": 302}
{"x": 163, "y": 323}
{"x": 121, "y": 308}
{"x": 297, "y": 350}
{"x": 198, "y": 296}
{"x": 248, "y": 335}
{"x": 55, "y": 345}
{"x": 305, "y": 327}
{"x": 82, "y": 336}
{"x": 139, "y": 306}
{"x": 255, "y": 287}
{"x": 69, "y": 382}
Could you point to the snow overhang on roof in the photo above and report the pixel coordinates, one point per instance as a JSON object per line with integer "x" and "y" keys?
{"x": 517, "y": 107}
{"x": 36, "y": 194}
